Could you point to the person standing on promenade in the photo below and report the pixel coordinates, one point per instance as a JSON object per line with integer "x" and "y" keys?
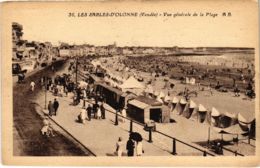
{"x": 98, "y": 113}
{"x": 89, "y": 111}
{"x": 95, "y": 108}
{"x": 103, "y": 111}
{"x": 119, "y": 147}
{"x": 50, "y": 108}
{"x": 82, "y": 116}
{"x": 123, "y": 115}
{"x": 32, "y": 85}
{"x": 139, "y": 148}
{"x": 130, "y": 146}
{"x": 55, "y": 106}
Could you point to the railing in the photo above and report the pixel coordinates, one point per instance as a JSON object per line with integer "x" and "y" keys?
{"x": 174, "y": 140}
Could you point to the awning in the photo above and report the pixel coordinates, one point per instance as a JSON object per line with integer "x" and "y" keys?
{"x": 138, "y": 104}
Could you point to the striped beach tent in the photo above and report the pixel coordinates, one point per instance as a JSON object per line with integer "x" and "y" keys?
{"x": 190, "y": 108}
{"x": 215, "y": 115}
{"x": 181, "y": 106}
{"x": 174, "y": 103}
{"x": 202, "y": 113}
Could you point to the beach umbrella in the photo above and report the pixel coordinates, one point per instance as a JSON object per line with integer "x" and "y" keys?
{"x": 136, "y": 136}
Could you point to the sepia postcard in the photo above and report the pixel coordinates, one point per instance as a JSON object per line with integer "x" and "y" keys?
{"x": 130, "y": 83}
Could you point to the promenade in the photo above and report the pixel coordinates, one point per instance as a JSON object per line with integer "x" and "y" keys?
{"x": 99, "y": 136}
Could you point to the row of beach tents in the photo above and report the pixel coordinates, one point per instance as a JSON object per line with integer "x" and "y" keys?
{"x": 220, "y": 121}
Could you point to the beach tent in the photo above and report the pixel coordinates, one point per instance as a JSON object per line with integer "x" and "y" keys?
{"x": 167, "y": 99}
{"x": 202, "y": 113}
{"x": 215, "y": 114}
{"x": 189, "y": 110}
{"x": 132, "y": 85}
{"x": 227, "y": 120}
{"x": 180, "y": 107}
{"x": 175, "y": 101}
{"x": 232, "y": 130}
{"x": 244, "y": 122}
{"x": 161, "y": 95}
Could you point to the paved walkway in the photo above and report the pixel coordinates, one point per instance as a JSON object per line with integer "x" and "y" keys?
{"x": 100, "y": 136}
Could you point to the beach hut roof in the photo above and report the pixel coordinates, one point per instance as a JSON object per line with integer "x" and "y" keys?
{"x": 149, "y": 101}
{"x": 131, "y": 83}
{"x": 215, "y": 112}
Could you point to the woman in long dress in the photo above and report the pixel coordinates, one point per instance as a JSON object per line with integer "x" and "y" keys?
{"x": 139, "y": 148}
{"x": 119, "y": 147}
{"x": 123, "y": 115}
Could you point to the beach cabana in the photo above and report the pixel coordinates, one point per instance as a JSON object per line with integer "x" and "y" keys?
{"x": 143, "y": 109}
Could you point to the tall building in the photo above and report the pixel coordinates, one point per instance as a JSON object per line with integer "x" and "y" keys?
{"x": 17, "y": 33}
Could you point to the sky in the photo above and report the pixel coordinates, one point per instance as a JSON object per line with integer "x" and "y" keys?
{"x": 51, "y": 23}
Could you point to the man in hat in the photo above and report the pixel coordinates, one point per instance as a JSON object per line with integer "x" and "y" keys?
{"x": 130, "y": 146}
{"x": 55, "y": 106}
{"x": 50, "y": 108}
{"x": 89, "y": 111}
